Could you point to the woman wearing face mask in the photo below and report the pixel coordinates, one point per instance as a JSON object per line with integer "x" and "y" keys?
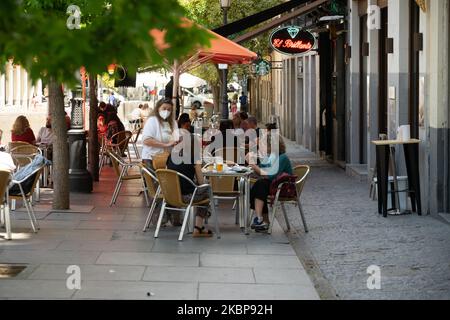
{"x": 160, "y": 131}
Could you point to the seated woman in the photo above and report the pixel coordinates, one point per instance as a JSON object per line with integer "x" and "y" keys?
{"x": 271, "y": 166}
{"x": 114, "y": 126}
{"x": 45, "y": 138}
{"x": 22, "y": 131}
{"x": 192, "y": 169}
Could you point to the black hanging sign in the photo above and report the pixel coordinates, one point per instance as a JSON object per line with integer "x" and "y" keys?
{"x": 292, "y": 40}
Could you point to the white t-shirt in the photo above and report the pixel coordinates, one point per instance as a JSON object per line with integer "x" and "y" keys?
{"x": 6, "y": 162}
{"x": 153, "y": 129}
{"x": 45, "y": 135}
{"x": 136, "y": 114}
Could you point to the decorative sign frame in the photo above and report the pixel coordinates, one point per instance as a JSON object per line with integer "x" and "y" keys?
{"x": 292, "y": 40}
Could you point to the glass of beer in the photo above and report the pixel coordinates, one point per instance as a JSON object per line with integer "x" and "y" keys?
{"x": 219, "y": 164}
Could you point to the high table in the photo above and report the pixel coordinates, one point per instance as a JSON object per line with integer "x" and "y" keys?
{"x": 244, "y": 202}
{"x": 383, "y": 155}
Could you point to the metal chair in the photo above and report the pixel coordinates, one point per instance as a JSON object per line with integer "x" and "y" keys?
{"x": 121, "y": 168}
{"x": 14, "y": 144}
{"x": 302, "y": 173}
{"x": 22, "y": 155}
{"x": 5, "y": 219}
{"x": 134, "y": 139}
{"x": 26, "y": 189}
{"x": 123, "y": 139}
{"x": 152, "y": 190}
{"x": 169, "y": 182}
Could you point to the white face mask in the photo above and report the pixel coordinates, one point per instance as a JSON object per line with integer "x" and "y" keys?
{"x": 164, "y": 114}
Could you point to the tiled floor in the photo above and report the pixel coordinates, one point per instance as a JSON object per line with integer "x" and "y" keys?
{"x": 118, "y": 261}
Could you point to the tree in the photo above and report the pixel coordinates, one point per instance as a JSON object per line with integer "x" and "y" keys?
{"x": 208, "y": 13}
{"x": 52, "y": 45}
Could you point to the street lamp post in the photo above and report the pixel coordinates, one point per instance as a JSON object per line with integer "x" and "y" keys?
{"x": 225, "y": 5}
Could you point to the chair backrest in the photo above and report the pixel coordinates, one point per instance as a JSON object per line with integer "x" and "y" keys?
{"x": 135, "y": 135}
{"x": 4, "y": 181}
{"x": 169, "y": 181}
{"x": 123, "y": 138}
{"x": 151, "y": 181}
{"x": 302, "y": 173}
{"x": 14, "y": 144}
{"x": 159, "y": 161}
{"x": 21, "y": 160}
{"x": 29, "y": 183}
{"x": 26, "y": 149}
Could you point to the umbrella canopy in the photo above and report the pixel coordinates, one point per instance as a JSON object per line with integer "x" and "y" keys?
{"x": 221, "y": 50}
{"x": 188, "y": 80}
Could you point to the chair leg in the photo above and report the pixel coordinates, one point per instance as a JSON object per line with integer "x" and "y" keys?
{"x": 238, "y": 213}
{"x": 302, "y": 215}
{"x": 114, "y": 196}
{"x": 27, "y": 206}
{"x": 158, "y": 226}
{"x": 118, "y": 187}
{"x": 214, "y": 213}
{"x": 272, "y": 216}
{"x": 288, "y": 225}
{"x": 2, "y": 216}
{"x": 187, "y": 213}
{"x": 149, "y": 216}
{"x": 7, "y": 219}
{"x": 144, "y": 188}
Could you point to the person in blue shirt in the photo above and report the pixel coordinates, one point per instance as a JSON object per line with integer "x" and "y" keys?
{"x": 272, "y": 165}
{"x": 243, "y": 101}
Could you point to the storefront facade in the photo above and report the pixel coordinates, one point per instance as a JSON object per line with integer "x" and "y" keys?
{"x": 398, "y": 75}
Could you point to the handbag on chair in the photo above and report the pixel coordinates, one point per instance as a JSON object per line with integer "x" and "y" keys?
{"x": 288, "y": 190}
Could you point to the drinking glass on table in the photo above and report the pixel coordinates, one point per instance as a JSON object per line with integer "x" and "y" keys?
{"x": 219, "y": 164}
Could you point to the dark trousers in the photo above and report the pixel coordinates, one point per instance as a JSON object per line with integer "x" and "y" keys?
{"x": 260, "y": 191}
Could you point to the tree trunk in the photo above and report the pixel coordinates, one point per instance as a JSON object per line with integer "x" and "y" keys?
{"x": 93, "y": 145}
{"x": 61, "y": 193}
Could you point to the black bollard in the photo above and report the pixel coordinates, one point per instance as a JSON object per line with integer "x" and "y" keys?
{"x": 80, "y": 179}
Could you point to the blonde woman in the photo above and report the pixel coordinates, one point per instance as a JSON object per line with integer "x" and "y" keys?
{"x": 22, "y": 131}
{"x": 160, "y": 132}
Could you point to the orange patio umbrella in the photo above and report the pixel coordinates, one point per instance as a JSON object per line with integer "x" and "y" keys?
{"x": 221, "y": 51}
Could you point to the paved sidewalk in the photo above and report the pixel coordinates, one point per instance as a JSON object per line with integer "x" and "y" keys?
{"x": 119, "y": 261}
{"x": 347, "y": 236}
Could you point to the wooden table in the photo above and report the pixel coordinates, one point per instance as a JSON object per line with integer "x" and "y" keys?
{"x": 244, "y": 202}
{"x": 383, "y": 155}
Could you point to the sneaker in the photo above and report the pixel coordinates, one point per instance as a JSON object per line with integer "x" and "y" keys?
{"x": 262, "y": 229}
{"x": 258, "y": 224}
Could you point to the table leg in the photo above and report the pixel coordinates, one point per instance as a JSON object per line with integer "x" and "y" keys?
{"x": 382, "y": 153}
{"x": 412, "y": 166}
{"x": 247, "y": 203}
{"x": 241, "y": 203}
{"x": 395, "y": 197}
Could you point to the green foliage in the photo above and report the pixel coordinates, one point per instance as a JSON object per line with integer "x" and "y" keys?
{"x": 35, "y": 34}
{"x": 209, "y": 14}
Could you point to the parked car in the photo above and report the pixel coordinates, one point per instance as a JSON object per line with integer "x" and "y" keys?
{"x": 191, "y": 99}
